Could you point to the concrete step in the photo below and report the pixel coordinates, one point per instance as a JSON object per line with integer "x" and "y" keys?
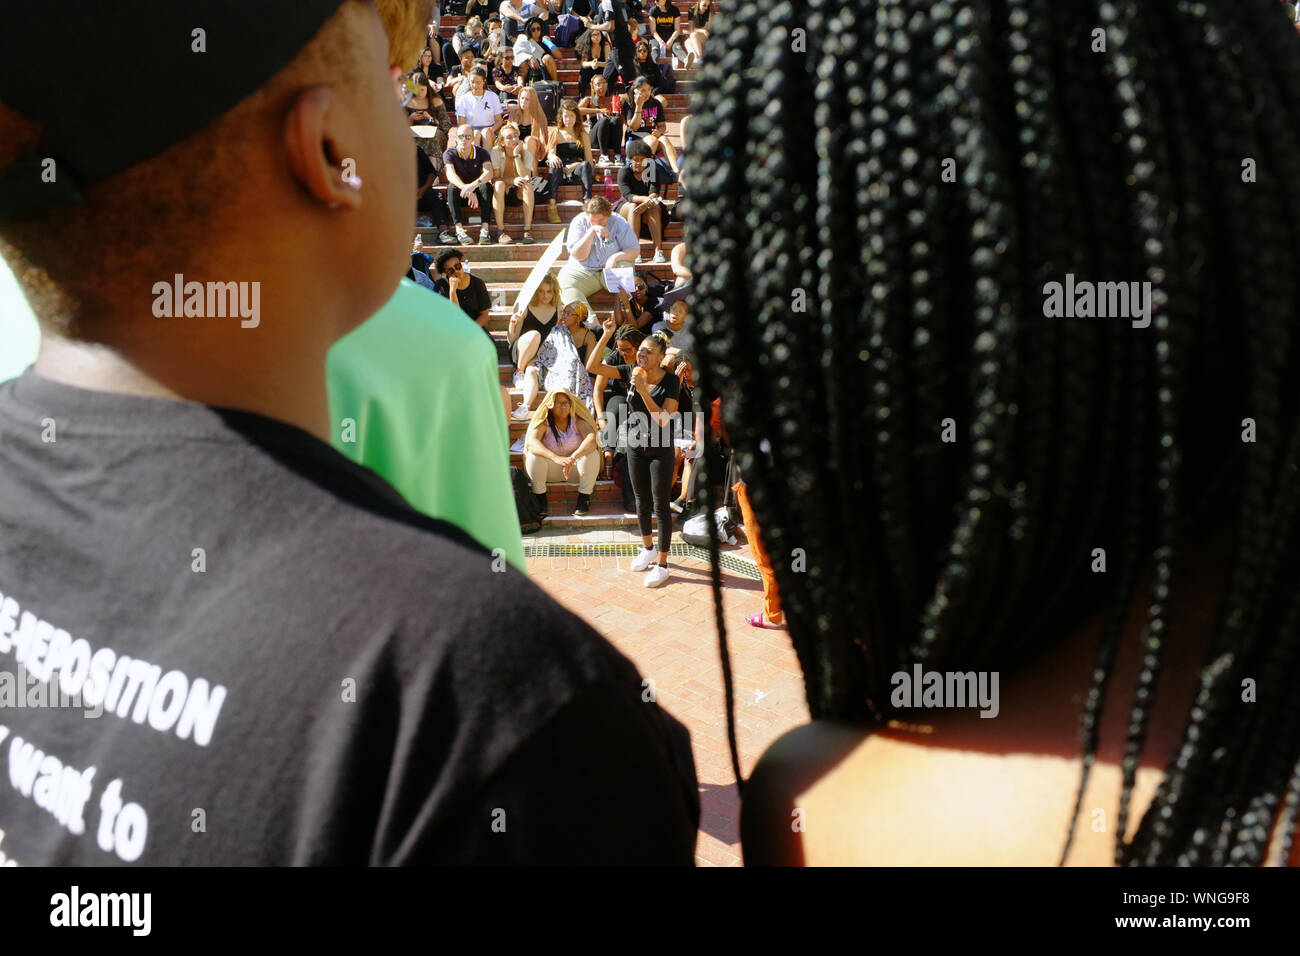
{"x": 519, "y": 252}
{"x": 516, "y": 273}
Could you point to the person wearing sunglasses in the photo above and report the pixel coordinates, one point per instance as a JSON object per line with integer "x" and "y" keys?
{"x": 469, "y": 184}
{"x": 465, "y": 290}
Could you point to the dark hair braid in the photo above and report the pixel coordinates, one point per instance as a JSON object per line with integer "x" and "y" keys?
{"x": 1072, "y": 433}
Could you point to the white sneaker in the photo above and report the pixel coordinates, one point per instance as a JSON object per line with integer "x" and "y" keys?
{"x": 659, "y": 256}
{"x": 657, "y": 576}
{"x": 518, "y": 446}
{"x": 645, "y": 557}
{"x": 522, "y": 413}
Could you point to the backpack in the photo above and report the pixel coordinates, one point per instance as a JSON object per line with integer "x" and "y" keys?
{"x": 548, "y": 95}
{"x": 667, "y": 85}
{"x": 568, "y": 30}
{"x": 696, "y": 530}
{"x": 530, "y": 515}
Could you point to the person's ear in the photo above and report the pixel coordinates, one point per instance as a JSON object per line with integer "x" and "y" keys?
{"x": 317, "y": 161}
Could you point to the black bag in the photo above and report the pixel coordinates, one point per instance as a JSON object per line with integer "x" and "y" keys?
{"x": 548, "y": 94}
{"x": 530, "y": 515}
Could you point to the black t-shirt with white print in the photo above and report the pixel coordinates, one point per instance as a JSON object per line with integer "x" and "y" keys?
{"x": 292, "y": 666}
{"x": 641, "y": 433}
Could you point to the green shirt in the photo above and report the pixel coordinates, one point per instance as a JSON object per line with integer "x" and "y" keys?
{"x": 417, "y": 391}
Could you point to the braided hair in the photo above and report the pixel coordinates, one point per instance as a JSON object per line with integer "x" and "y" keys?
{"x": 928, "y": 167}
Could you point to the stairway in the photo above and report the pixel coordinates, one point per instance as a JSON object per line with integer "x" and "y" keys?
{"x": 505, "y": 268}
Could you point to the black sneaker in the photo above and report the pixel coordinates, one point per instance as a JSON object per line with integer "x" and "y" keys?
{"x": 541, "y": 503}
{"x": 584, "y": 505}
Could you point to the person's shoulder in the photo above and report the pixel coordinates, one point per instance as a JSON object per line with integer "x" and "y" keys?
{"x": 417, "y": 319}
{"x": 885, "y": 798}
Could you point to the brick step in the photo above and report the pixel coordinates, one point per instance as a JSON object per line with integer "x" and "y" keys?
{"x": 566, "y": 492}
{"x": 544, "y": 232}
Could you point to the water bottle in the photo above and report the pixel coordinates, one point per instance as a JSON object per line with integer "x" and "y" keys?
{"x": 609, "y": 184}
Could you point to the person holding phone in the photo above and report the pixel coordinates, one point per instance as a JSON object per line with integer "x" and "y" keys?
{"x": 650, "y": 437}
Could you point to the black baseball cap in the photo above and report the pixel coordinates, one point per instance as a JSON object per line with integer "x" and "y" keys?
{"x": 163, "y": 70}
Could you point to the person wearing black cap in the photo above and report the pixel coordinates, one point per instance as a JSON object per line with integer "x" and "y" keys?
{"x": 274, "y": 639}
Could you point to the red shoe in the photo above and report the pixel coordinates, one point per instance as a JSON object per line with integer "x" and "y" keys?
{"x": 757, "y": 620}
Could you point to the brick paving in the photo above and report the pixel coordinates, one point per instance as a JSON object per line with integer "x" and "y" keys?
{"x": 669, "y": 633}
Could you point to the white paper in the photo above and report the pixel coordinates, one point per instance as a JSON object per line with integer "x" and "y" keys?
{"x": 620, "y": 278}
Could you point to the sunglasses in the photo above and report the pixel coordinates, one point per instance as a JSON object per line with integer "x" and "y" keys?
{"x": 451, "y": 270}
{"x": 464, "y": 135}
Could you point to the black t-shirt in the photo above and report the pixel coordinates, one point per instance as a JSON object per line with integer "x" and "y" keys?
{"x": 473, "y": 299}
{"x": 665, "y": 16}
{"x": 652, "y": 113}
{"x": 306, "y": 670}
{"x": 467, "y": 169}
{"x": 640, "y": 431}
{"x": 630, "y": 184}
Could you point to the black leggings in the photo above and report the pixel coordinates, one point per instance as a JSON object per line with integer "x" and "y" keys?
{"x": 433, "y": 203}
{"x": 607, "y": 134}
{"x": 582, "y": 176}
{"x": 651, "y": 470}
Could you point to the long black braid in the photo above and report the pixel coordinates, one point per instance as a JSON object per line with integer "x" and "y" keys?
{"x": 826, "y": 183}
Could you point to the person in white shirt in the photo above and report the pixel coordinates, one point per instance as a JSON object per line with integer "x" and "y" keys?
{"x": 515, "y": 166}
{"x": 596, "y": 240}
{"x": 530, "y": 55}
{"x": 480, "y": 109}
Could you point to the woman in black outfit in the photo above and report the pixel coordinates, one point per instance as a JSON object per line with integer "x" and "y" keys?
{"x": 593, "y": 48}
{"x": 647, "y": 67}
{"x": 606, "y": 122}
{"x": 651, "y": 404}
{"x": 569, "y": 161}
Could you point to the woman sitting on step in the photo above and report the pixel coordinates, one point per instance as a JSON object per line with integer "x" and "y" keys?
{"x": 515, "y": 167}
{"x": 569, "y": 161}
{"x": 561, "y": 362}
{"x": 529, "y": 325}
{"x": 561, "y": 442}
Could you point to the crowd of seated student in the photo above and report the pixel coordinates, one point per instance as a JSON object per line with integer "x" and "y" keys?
{"x": 506, "y": 153}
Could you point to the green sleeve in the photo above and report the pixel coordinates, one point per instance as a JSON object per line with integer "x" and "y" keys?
{"x": 415, "y": 395}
